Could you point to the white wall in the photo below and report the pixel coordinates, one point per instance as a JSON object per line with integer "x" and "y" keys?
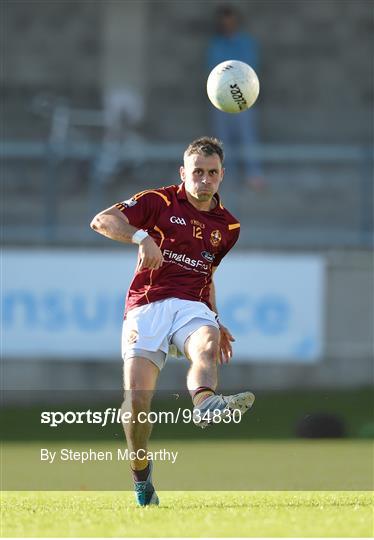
{"x": 69, "y": 304}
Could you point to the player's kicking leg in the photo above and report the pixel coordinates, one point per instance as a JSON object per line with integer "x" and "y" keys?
{"x": 202, "y": 348}
{"x": 140, "y": 377}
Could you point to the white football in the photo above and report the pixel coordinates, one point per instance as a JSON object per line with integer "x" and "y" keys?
{"x": 233, "y": 86}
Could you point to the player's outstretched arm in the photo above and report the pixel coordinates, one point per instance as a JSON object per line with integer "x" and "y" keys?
{"x": 113, "y": 224}
{"x": 225, "y": 353}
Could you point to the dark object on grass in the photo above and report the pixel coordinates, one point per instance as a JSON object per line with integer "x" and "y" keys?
{"x": 320, "y": 426}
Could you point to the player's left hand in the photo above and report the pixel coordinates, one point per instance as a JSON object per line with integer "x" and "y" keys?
{"x": 225, "y": 353}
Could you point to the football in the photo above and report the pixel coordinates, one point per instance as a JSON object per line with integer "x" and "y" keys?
{"x": 233, "y": 86}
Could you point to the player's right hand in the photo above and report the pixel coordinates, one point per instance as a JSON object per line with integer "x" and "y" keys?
{"x": 150, "y": 255}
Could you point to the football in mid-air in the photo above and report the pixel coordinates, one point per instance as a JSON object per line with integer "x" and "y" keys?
{"x": 233, "y": 86}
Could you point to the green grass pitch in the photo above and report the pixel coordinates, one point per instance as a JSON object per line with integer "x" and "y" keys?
{"x": 191, "y": 514}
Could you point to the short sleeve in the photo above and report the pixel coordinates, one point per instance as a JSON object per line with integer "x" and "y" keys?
{"x": 232, "y": 238}
{"x": 144, "y": 208}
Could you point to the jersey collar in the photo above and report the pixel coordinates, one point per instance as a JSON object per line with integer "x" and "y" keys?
{"x": 181, "y": 195}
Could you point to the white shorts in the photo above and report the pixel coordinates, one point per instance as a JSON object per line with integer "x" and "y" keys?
{"x": 149, "y": 330}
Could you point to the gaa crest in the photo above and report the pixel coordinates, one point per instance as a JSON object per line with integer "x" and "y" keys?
{"x": 215, "y": 237}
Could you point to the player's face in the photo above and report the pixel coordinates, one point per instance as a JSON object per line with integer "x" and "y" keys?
{"x": 202, "y": 175}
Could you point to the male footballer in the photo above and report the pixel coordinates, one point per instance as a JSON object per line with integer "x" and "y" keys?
{"x": 183, "y": 232}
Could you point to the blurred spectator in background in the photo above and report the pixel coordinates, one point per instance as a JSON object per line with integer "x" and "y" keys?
{"x": 236, "y": 130}
{"x": 123, "y": 112}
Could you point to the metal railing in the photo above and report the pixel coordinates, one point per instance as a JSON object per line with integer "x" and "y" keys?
{"x": 51, "y": 155}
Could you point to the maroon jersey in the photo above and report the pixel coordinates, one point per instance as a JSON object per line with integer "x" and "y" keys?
{"x": 192, "y": 243}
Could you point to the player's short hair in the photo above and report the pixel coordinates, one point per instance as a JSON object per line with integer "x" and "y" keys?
{"x": 205, "y": 146}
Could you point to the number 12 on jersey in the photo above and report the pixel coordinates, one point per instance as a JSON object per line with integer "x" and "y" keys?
{"x": 197, "y": 232}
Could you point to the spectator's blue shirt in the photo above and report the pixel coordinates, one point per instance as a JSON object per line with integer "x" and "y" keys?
{"x": 239, "y": 46}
